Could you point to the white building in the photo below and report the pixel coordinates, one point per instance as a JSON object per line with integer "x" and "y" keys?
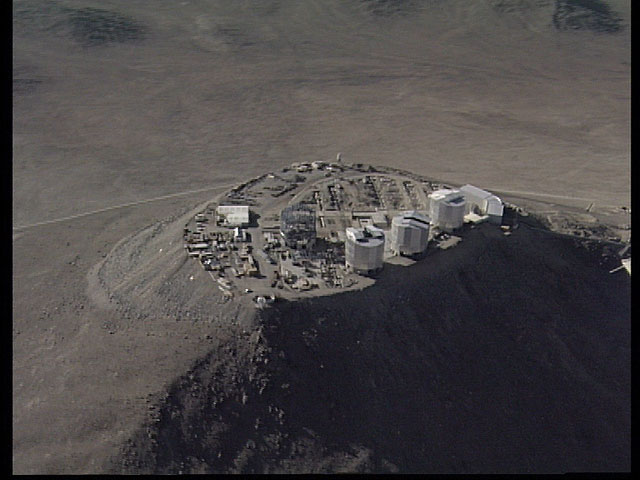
{"x": 364, "y": 249}
{"x": 239, "y": 235}
{"x": 409, "y": 233}
{"x": 447, "y": 208}
{"x": 485, "y": 202}
{"x": 233, "y": 215}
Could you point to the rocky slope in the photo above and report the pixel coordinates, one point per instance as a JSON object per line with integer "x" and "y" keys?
{"x": 504, "y": 354}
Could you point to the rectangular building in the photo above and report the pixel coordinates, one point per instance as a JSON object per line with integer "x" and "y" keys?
{"x": 233, "y": 215}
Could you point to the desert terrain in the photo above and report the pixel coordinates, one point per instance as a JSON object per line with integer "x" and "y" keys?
{"x": 128, "y": 115}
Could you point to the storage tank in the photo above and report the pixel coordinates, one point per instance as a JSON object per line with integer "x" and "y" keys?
{"x": 447, "y": 208}
{"x": 364, "y": 249}
{"x": 409, "y": 233}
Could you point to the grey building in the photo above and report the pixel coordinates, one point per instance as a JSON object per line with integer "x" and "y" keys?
{"x": 409, "y": 233}
{"x": 364, "y": 249}
{"x": 447, "y": 209}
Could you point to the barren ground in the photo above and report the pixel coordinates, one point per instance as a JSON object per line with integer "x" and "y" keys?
{"x": 138, "y": 100}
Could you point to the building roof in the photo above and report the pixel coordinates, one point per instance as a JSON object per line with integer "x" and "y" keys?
{"x": 478, "y": 192}
{"x": 379, "y": 217}
{"x": 368, "y": 236}
{"x": 233, "y": 208}
{"x": 355, "y": 233}
{"x": 447, "y": 195}
{"x": 234, "y": 213}
{"x": 375, "y": 232}
{"x": 412, "y": 219}
{"x": 494, "y": 204}
{"x": 418, "y": 217}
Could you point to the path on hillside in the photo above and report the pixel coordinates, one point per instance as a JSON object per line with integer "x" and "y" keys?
{"x": 124, "y": 205}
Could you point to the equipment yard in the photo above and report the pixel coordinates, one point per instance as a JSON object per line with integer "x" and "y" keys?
{"x": 291, "y": 241}
{"x": 283, "y": 235}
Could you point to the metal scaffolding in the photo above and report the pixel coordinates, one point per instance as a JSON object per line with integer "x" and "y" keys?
{"x": 298, "y": 225}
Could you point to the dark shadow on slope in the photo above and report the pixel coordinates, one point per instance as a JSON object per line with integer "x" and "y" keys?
{"x": 95, "y": 27}
{"x": 391, "y": 8}
{"x": 503, "y": 354}
{"x": 517, "y": 361}
{"x": 89, "y": 27}
{"x": 594, "y": 15}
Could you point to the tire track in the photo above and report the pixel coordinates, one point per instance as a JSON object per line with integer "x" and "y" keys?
{"x": 116, "y": 207}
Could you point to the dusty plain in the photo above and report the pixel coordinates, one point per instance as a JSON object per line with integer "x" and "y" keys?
{"x": 116, "y": 103}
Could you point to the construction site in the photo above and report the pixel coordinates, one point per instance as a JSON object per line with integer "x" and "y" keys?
{"x": 314, "y": 228}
